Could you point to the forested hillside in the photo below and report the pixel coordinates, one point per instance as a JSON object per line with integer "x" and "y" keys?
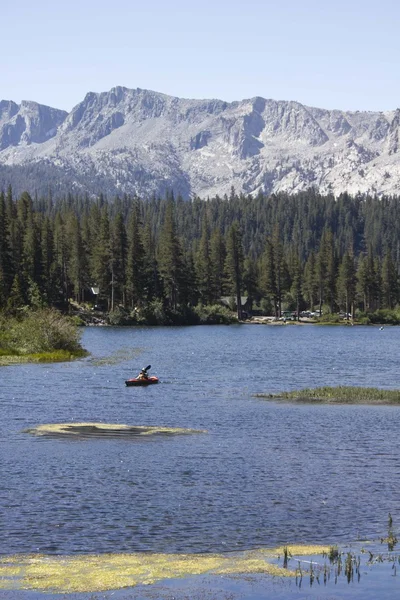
{"x": 164, "y": 254}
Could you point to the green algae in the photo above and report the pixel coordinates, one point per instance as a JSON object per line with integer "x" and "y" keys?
{"x": 41, "y": 357}
{"x": 102, "y": 572}
{"x": 106, "y": 430}
{"x": 338, "y": 395}
{"x": 117, "y": 357}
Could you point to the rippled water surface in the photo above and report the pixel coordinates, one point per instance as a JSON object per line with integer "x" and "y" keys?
{"x": 266, "y": 473}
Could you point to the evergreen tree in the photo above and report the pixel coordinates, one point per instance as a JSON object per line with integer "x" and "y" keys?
{"x": 234, "y": 264}
{"x": 49, "y": 281}
{"x": 61, "y": 259}
{"x": 281, "y": 269}
{"x": 18, "y": 296}
{"x": 78, "y": 260}
{"x": 250, "y": 280}
{"x": 389, "y": 279}
{"x": 152, "y": 279}
{"x": 170, "y": 259}
{"x": 328, "y": 249}
{"x": 203, "y": 266}
{"x": 297, "y": 281}
{"x": 190, "y": 292}
{"x": 102, "y": 258}
{"x": 268, "y": 277}
{"x": 217, "y": 260}
{"x": 310, "y": 282}
{"x": 346, "y": 283}
{"x": 136, "y": 267}
{"x": 6, "y": 264}
{"x": 363, "y": 281}
{"x": 119, "y": 251}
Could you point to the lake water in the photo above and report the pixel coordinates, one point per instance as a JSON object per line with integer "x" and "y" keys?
{"x": 265, "y": 473}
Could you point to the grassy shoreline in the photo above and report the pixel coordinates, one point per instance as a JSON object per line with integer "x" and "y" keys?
{"x": 41, "y": 357}
{"x": 338, "y": 395}
{"x": 40, "y": 336}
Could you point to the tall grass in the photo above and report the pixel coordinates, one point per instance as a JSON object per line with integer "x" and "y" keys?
{"x": 39, "y": 333}
{"x": 340, "y": 394}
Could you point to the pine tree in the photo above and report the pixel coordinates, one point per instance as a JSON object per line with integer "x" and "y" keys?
{"x": 217, "y": 260}
{"x": 281, "y": 270}
{"x": 363, "y": 283}
{"x": 18, "y": 296}
{"x": 268, "y": 277}
{"x": 119, "y": 252}
{"x": 190, "y": 294}
{"x": 297, "y": 282}
{"x": 250, "y": 279}
{"x": 331, "y": 268}
{"x": 102, "y": 258}
{"x": 310, "y": 282}
{"x": 203, "y": 265}
{"x": 78, "y": 260}
{"x": 152, "y": 279}
{"x": 31, "y": 257}
{"x": 61, "y": 255}
{"x": 346, "y": 283}
{"x": 6, "y": 264}
{"x": 49, "y": 282}
{"x": 170, "y": 259}
{"x": 136, "y": 272}
{"x": 390, "y": 282}
{"x": 234, "y": 264}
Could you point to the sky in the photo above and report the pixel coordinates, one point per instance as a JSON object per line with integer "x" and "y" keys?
{"x": 333, "y": 55}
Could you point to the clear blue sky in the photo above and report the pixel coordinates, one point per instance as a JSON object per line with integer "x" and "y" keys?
{"x": 337, "y": 54}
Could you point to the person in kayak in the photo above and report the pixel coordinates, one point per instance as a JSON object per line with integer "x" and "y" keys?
{"x": 143, "y": 374}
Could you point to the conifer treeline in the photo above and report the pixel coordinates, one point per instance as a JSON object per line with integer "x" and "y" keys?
{"x": 298, "y": 252}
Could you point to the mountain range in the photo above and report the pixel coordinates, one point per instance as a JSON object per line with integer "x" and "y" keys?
{"x": 142, "y": 142}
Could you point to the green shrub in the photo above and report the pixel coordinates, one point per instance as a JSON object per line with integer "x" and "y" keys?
{"x": 153, "y": 313}
{"x": 41, "y": 331}
{"x": 384, "y": 317}
{"x": 215, "y": 315}
{"x": 330, "y": 318}
{"x": 119, "y": 316}
{"x": 363, "y": 319}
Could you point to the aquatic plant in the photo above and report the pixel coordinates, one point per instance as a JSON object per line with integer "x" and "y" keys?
{"x": 96, "y": 573}
{"x": 333, "y": 553}
{"x": 40, "y": 357}
{"x": 339, "y": 394}
{"x": 105, "y": 430}
{"x": 391, "y": 539}
{"x": 286, "y": 556}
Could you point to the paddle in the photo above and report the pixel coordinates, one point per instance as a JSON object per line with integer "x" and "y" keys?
{"x": 147, "y": 368}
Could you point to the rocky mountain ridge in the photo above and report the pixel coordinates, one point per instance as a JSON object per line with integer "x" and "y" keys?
{"x": 144, "y": 142}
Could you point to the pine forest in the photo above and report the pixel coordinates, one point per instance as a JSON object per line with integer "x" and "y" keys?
{"x": 156, "y": 260}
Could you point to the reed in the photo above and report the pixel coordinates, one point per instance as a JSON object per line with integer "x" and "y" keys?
{"x": 339, "y": 395}
{"x": 10, "y": 358}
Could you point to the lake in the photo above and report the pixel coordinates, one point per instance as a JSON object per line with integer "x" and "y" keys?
{"x": 266, "y": 473}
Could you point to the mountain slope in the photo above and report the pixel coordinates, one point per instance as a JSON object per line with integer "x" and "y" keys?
{"x": 144, "y": 142}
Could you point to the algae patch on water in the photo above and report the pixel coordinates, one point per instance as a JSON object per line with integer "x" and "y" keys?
{"x": 98, "y": 573}
{"x": 106, "y": 430}
{"x": 338, "y": 395}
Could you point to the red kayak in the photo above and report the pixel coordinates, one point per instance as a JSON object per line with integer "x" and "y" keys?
{"x": 137, "y": 381}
